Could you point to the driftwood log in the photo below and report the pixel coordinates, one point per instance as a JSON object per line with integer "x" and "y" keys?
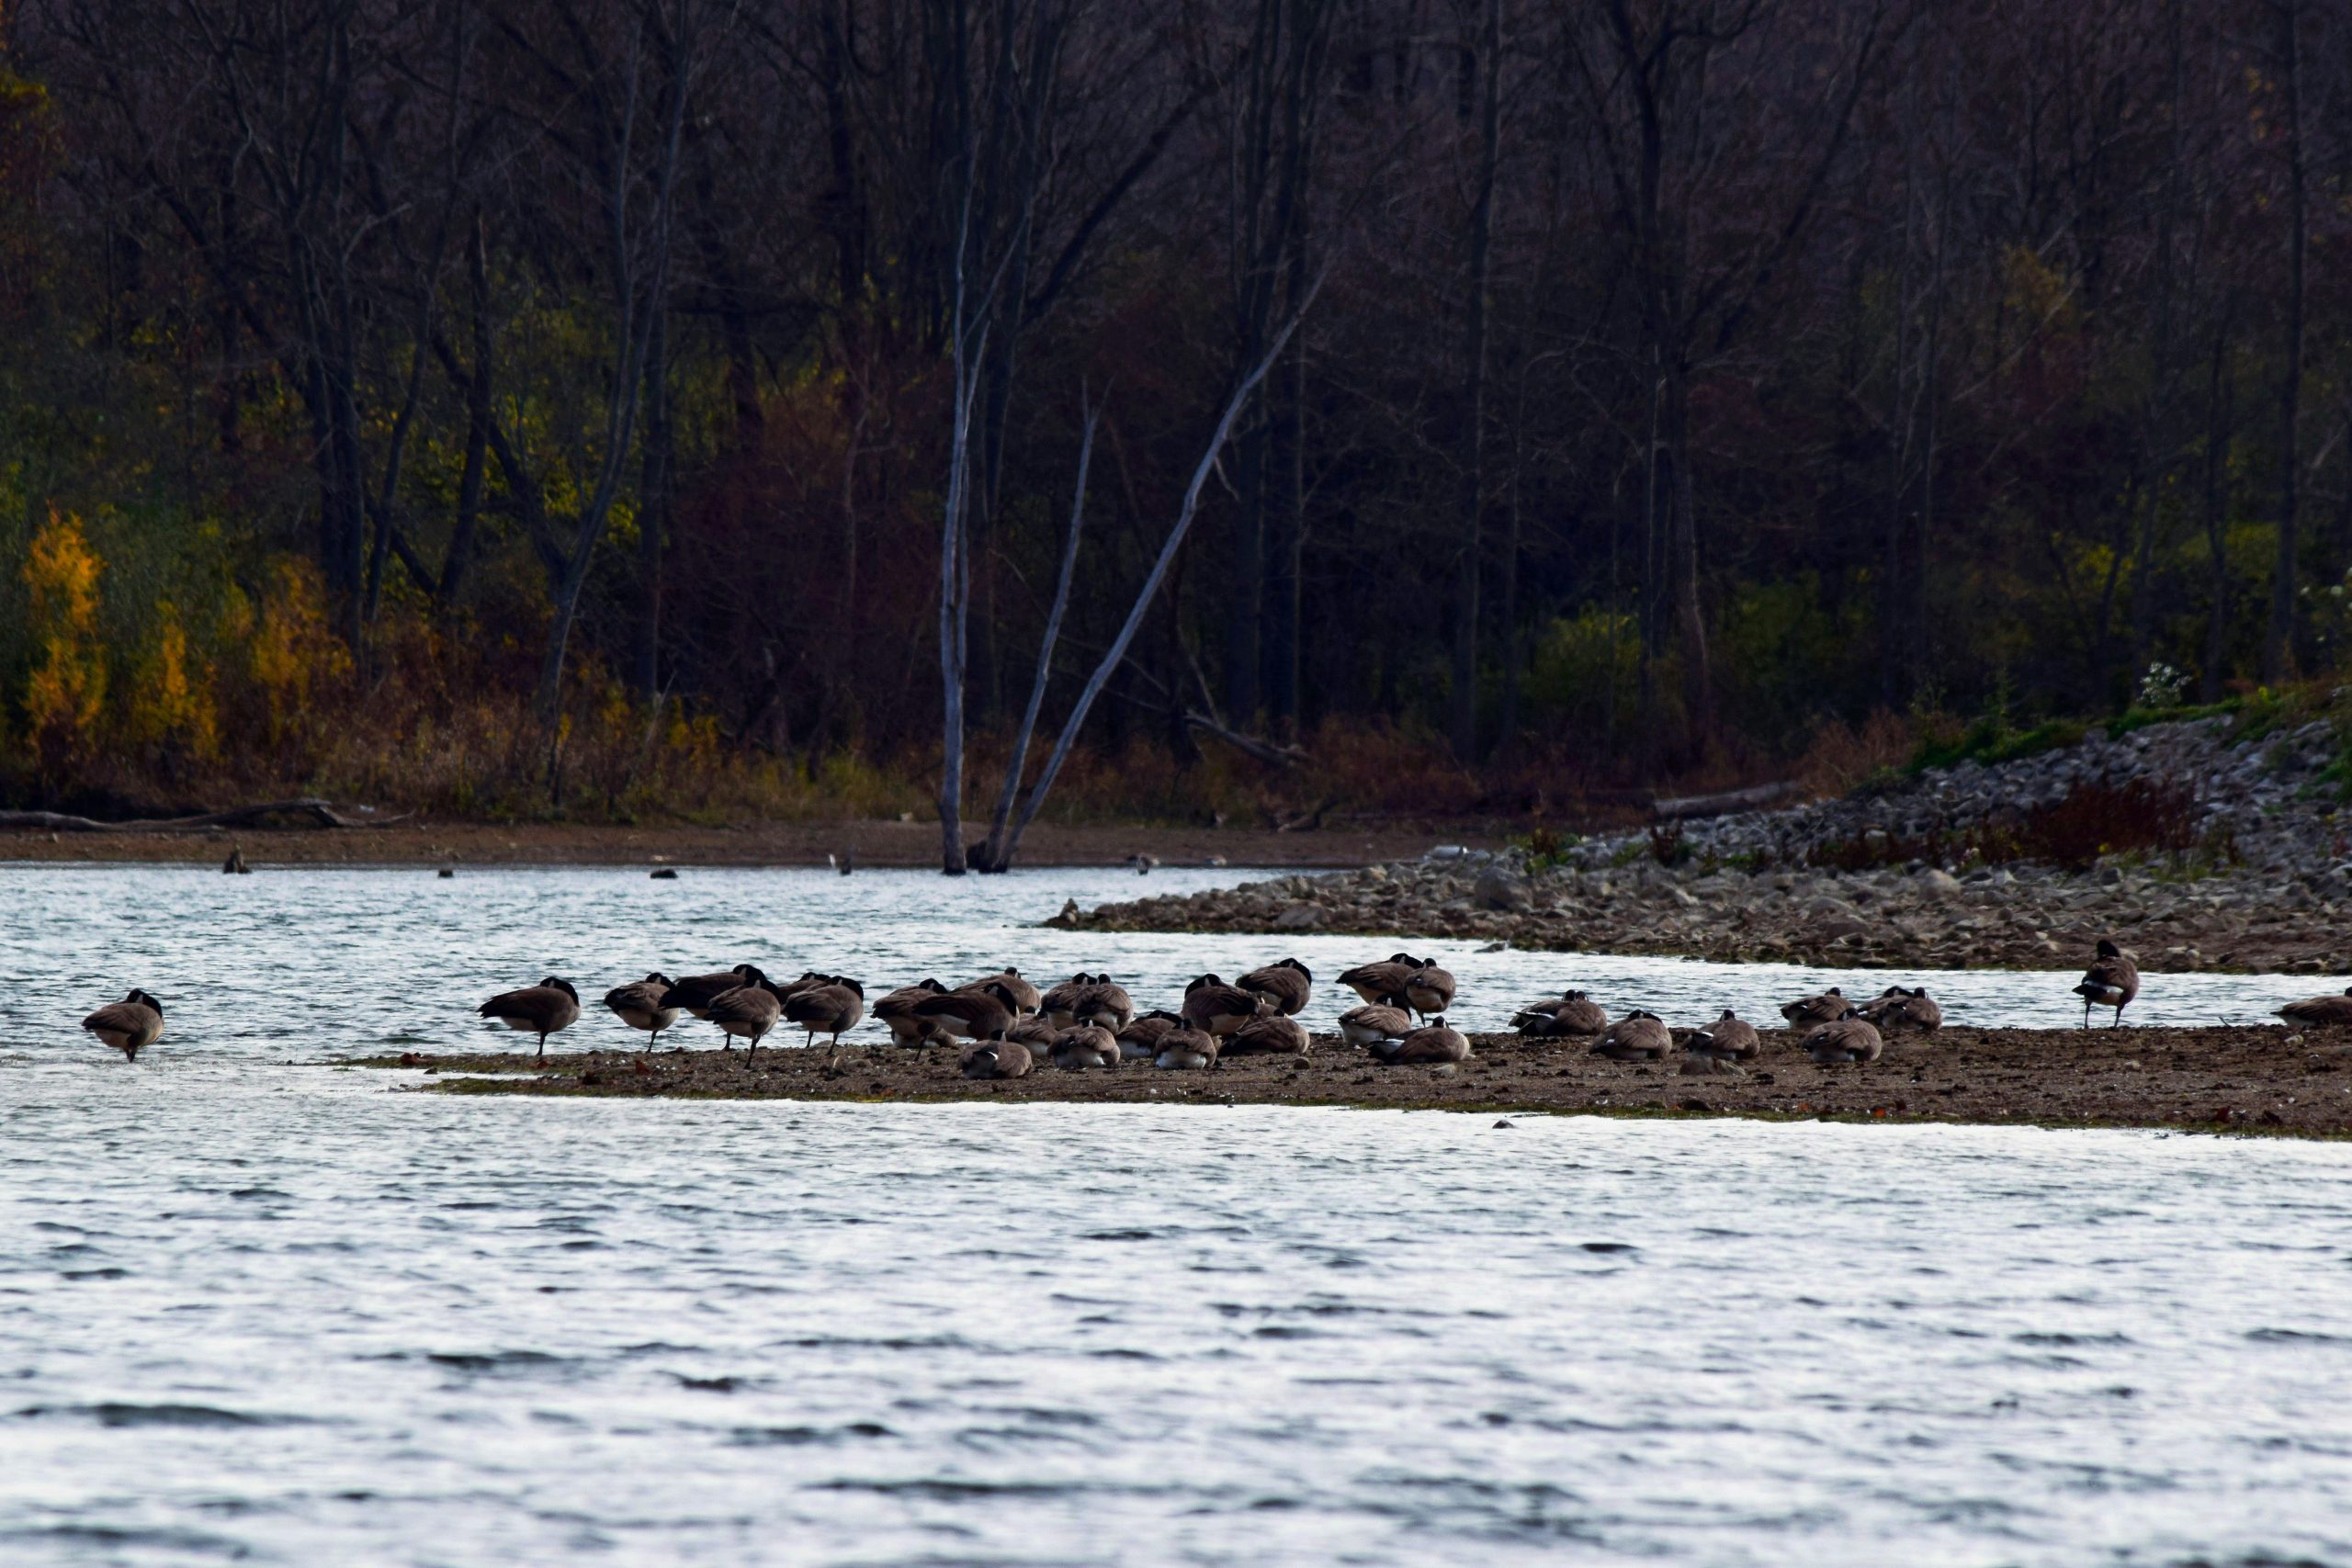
{"x": 316, "y": 813}
{"x": 1688, "y": 807}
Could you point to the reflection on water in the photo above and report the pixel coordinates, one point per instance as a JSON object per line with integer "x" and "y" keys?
{"x": 262, "y": 1312}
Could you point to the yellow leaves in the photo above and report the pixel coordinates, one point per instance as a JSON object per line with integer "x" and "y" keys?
{"x": 167, "y": 705}
{"x": 2033, "y": 286}
{"x": 66, "y": 699}
{"x": 292, "y": 648}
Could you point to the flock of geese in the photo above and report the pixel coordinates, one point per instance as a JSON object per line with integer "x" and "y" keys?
{"x": 1003, "y": 1024}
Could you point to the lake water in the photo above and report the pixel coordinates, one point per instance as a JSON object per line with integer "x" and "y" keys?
{"x": 271, "y": 1312}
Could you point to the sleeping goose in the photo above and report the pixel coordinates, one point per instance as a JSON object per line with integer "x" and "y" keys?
{"x": 1847, "y": 1039}
{"x": 1057, "y": 1004}
{"x": 995, "y": 1058}
{"x": 129, "y": 1026}
{"x": 1806, "y": 1011}
{"x": 897, "y": 1011}
{"x": 1896, "y": 1008}
{"x": 1286, "y": 984}
{"x": 973, "y": 1014}
{"x": 1375, "y": 1025}
{"x": 1638, "y": 1036}
{"x": 1729, "y": 1039}
{"x": 1434, "y": 1042}
{"x": 1022, "y": 996}
{"x": 1140, "y": 1039}
{"x": 1220, "y": 1009}
{"x": 541, "y": 1009}
{"x": 639, "y": 1004}
{"x": 834, "y": 1008}
{"x": 1087, "y": 1046}
{"x": 1273, "y": 1035}
{"x": 1186, "y": 1050}
{"x": 1571, "y": 1014}
{"x": 747, "y": 1012}
{"x": 697, "y": 992}
{"x": 1106, "y": 1005}
{"x": 2320, "y": 1012}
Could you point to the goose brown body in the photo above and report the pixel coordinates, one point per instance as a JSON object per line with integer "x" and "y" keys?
{"x": 970, "y": 1014}
{"x": 129, "y": 1026}
{"x": 697, "y": 992}
{"x": 1211, "y": 1005}
{"x": 1806, "y": 1011}
{"x": 1850, "y": 1039}
{"x": 1086, "y": 1045}
{"x": 832, "y": 1009}
{"x": 1429, "y": 990}
{"x": 2320, "y": 1012}
{"x": 898, "y": 1013}
{"x": 640, "y": 1005}
{"x": 1186, "y": 1049}
{"x": 1433, "y": 1041}
{"x": 541, "y": 1009}
{"x": 1384, "y": 981}
{"x": 1287, "y": 984}
{"x": 1896, "y": 1008}
{"x": 1019, "y": 994}
{"x": 1570, "y": 1015}
{"x": 1637, "y": 1037}
{"x": 1729, "y": 1039}
{"x": 1142, "y": 1035}
{"x": 1273, "y": 1035}
{"x": 747, "y": 1012}
{"x": 1105, "y": 1004}
{"x": 1373, "y": 1024}
{"x": 2111, "y": 981}
{"x": 996, "y": 1059}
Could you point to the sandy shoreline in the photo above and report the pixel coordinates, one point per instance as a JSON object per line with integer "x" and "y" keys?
{"x": 2241, "y": 1078}
{"x": 874, "y": 843}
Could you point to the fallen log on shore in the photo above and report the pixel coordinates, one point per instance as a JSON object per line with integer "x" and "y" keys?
{"x": 1691, "y": 807}
{"x": 319, "y": 814}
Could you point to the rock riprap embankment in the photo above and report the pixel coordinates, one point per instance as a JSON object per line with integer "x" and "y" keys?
{"x": 2269, "y": 888}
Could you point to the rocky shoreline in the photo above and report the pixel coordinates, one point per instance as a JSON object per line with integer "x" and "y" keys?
{"x": 2244, "y": 1078}
{"x": 2265, "y": 886}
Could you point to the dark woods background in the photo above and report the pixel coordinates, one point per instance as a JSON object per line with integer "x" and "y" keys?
{"x": 488, "y": 405}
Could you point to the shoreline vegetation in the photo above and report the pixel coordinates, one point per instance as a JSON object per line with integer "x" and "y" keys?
{"x": 2268, "y": 1079}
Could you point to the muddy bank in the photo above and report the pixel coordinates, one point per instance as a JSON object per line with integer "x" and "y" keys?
{"x": 2261, "y": 1079}
{"x": 874, "y": 843}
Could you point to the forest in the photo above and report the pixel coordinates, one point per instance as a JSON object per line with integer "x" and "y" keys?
{"x": 620, "y": 408}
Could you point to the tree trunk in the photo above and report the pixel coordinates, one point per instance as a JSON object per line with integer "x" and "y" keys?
{"x": 1473, "y": 498}
{"x": 2277, "y": 640}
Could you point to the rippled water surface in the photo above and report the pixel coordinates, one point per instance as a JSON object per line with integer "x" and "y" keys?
{"x": 260, "y": 1311}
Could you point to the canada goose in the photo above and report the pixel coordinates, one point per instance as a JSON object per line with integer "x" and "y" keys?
{"x": 1057, "y": 1004}
{"x": 1806, "y": 1011}
{"x": 1106, "y": 1005}
{"x": 697, "y": 992}
{"x": 1384, "y": 981}
{"x": 1142, "y": 1035}
{"x": 996, "y": 1058}
{"x": 639, "y": 1005}
{"x": 2320, "y": 1012}
{"x": 832, "y": 1009}
{"x": 1211, "y": 1004}
{"x": 1896, "y": 1008}
{"x": 897, "y": 1011}
{"x": 747, "y": 1012}
{"x": 1435, "y": 1041}
{"x": 1729, "y": 1039}
{"x": 973, "y": 1014}
{"x": 235, "y": 864}
{"x": 1087, "y": 1046}
{"x": 2111, "y": 981}
{"x": 1033, "y": 1033}
{"x": 1273, "y": 1035}
{"x": 1429, "y": 990}
{"x": 1020, "y": 994}
{"x": 1186, "y": 1050}
{"x": 1571, "y": 1014}
{"x": 1286, "y": 984}
{"x": 542, "y": 1009}
{"x": 1142, "y": 864}
{"x": 1638, "y": 1036}
{"x": 1847, "y": 1039}
{"x": 1373, "y": 1024}
{"x": 129, "y": 1026}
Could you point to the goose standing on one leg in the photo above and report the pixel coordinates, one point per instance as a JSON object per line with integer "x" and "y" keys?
{"x": 2111, "y": 981}
{"x": 129, "y": 1026}
{"x": 541, "y": 1009}
{"x": 641, "y": 1006}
